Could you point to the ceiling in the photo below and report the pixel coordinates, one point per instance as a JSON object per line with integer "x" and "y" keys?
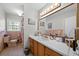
{"x": 34, "y": 6}
{"x": 13, "y": 8}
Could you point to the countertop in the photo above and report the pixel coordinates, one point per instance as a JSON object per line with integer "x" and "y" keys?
{"x": 55, "y": 45}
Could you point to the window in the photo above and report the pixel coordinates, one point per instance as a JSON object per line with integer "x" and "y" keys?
{"x": 13, "y": 26}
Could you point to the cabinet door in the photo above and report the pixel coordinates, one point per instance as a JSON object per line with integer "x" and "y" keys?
{"x": 49, "y": 52}
{"x": 31, "y": 46}
{"x": 35, "y": 48}
{"x": 40, "y": 50}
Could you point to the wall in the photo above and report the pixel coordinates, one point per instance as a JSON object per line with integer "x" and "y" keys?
{"x": 2, "y": 19}
{"x": 29, "y": 29}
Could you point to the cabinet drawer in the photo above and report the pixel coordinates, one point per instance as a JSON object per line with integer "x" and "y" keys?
{"x": 49, "y": 52}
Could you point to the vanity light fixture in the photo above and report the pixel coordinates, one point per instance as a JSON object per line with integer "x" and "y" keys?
{"x": 50, "y": 8}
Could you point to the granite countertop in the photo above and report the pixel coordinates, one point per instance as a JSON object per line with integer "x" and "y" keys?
{"x": 55, "y": 45}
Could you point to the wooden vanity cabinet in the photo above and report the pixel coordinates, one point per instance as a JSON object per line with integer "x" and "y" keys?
{"x": 31, "y": 45}
{"x": 35, "y": 48}
{"x": 49, "y": 52}
{"x": 40, "y": 49}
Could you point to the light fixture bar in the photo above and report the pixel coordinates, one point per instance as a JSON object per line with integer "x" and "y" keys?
{"x": 49, "y": 9}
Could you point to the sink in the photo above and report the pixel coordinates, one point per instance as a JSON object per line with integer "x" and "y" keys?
{"x": 58, "y": 39}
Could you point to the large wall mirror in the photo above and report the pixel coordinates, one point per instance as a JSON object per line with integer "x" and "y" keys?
{"x": 64, "y": 19}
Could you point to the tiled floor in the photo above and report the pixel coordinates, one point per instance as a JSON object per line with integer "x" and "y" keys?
{"x": 13, "y": 51}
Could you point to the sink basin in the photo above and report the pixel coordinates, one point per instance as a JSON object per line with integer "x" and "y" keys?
{"x": 58, "y": 39}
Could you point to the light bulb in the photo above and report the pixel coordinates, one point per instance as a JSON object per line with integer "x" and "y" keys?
{"x": 44, "y": 11}
{"x": 48, "y": 9}
{"x": 56, "y": 4}
{"x": 51, "y": 6}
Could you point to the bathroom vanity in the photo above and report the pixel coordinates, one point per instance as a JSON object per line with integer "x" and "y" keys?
{"x": 40, "y": 46}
